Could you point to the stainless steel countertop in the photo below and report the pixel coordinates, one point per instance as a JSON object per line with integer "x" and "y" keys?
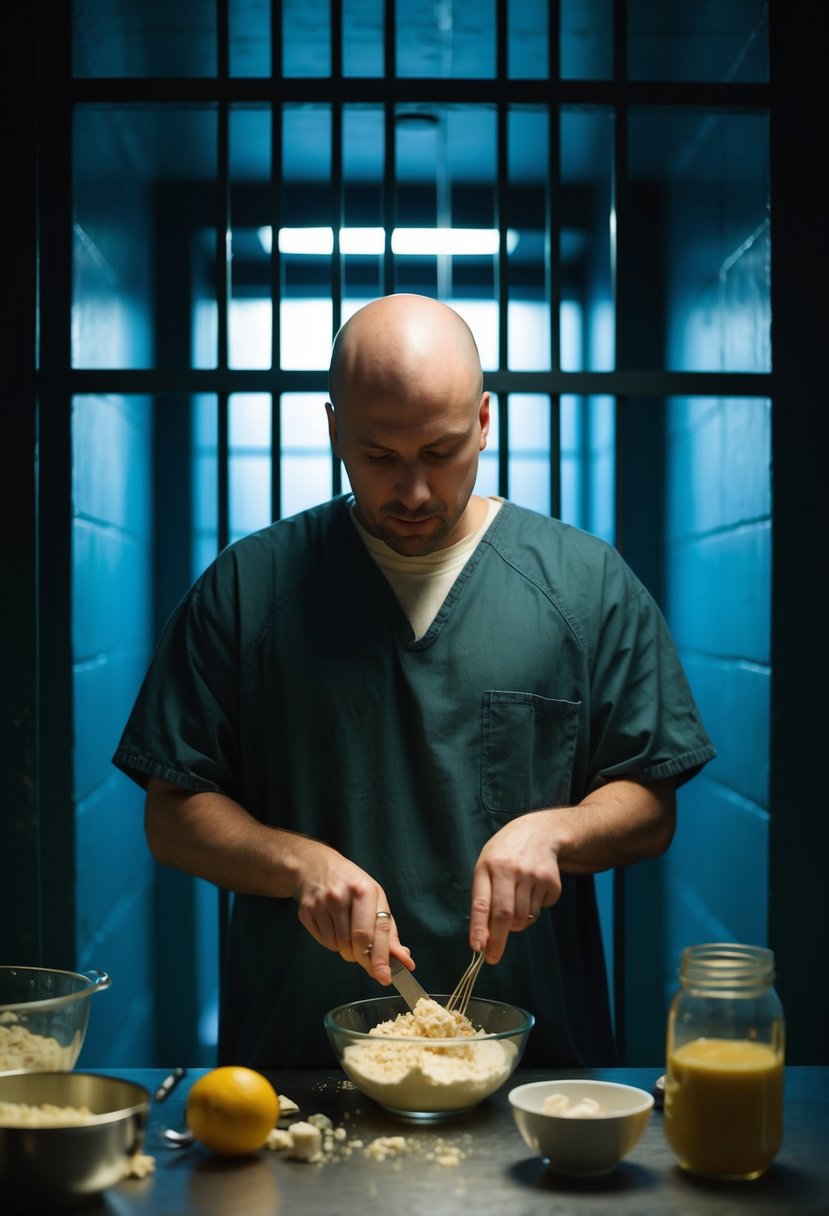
{"x": 497, "y": 1173}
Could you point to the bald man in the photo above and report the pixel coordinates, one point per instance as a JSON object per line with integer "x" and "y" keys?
{"x": 412, "y": 722}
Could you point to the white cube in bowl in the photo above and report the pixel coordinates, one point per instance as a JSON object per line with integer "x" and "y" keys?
{"x": 560, "y": 1121}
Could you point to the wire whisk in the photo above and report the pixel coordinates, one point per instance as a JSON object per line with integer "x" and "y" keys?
{"x": 459, "y": 1000}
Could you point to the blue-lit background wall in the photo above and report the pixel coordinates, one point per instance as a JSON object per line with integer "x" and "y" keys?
{"x": 113, "y": 575}
{"x": 717, "y": 591}
{"x": 698, "y": 271}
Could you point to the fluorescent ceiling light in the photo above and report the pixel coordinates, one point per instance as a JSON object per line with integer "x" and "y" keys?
{"x": 303, "y": 240}
{"x": 362, "y": 240}
{"x": 435, "y": 241}
{"x": 413, "y": 242}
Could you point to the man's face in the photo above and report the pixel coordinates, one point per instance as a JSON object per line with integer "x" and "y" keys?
{"x": 412, "y": 465}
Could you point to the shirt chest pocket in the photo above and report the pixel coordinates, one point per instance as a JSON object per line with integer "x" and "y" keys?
{"x": 528, "y": 751}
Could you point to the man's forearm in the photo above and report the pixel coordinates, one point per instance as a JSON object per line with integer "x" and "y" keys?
{"x": 215, "y": 838}
{"x": 620, "y": 823}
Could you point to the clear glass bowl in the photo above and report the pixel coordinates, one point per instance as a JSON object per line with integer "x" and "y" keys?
{"x": 44, "y": 1016}
{"x": 428, "y": 1078}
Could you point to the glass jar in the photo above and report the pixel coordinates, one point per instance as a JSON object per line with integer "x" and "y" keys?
{"x": 723, "y": 1107}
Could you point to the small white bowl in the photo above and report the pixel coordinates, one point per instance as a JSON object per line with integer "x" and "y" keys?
{"x": 582, "y": 1146}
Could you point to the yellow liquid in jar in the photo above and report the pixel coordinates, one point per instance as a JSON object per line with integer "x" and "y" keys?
{"x": 723, "y": 1113}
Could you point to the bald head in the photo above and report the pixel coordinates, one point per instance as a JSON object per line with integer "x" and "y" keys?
{"x": 402, "y": 346}
{"x": 408, "y": 417}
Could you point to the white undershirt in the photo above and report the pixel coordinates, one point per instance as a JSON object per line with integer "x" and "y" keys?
{"x": 421, "y": 584}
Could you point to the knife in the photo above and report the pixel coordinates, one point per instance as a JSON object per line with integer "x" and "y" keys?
{"x": 406, "y": 984}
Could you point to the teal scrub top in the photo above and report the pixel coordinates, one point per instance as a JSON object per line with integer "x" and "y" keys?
{"x": 289, "y": 679}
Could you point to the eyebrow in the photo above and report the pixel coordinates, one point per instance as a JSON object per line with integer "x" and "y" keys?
{"x": 447, "y": 437}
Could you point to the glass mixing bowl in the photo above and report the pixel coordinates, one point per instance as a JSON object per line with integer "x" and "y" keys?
{"x": 44, "y": 1015}
{"x": 428, "y": 1078}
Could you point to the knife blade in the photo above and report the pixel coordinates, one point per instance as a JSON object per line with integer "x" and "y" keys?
{"x": 406, "y": 984}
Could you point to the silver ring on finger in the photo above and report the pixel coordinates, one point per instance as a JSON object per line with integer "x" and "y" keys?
{"x": 382, "y": 916}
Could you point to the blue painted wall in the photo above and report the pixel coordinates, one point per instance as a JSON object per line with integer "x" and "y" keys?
{"x": 112, "y": 594}
{"x": 713, "y": 575}
{"x": 718, "y": 537}
{"x": 112, "y": 633}
{"x": 719, "y": 541}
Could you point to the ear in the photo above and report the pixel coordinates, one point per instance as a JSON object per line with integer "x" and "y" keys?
{"x": 483, "y": 419}
{"x": 332, "y": 427}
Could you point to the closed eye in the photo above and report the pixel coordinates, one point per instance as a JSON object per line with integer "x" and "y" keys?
{"x": 381, "y": 457}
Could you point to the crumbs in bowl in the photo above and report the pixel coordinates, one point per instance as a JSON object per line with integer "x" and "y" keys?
{"x": 560, "y": 1104}
{"x": 429, "y": 1059}
{"x": 21, "y": 1048}
{"x": 22, "y": 1114}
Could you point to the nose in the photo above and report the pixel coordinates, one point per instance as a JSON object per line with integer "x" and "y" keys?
{"x": 412, "y": 488}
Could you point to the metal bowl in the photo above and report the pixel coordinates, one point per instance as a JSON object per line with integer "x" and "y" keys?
{"x": 44, "y": 1168}
{"x": 44, "y": 1016}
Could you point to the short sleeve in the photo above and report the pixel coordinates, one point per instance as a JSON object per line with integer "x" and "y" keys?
{"x": 645, "y": 723}
{"x": 184, "y": 724}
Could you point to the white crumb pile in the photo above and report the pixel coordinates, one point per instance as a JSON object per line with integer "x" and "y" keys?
{"x": 21, "y": 1048}
{"x": 584, "y": 1108}
{"x": 22, "y": 1114}
{"x": 428, "y": 1021}
{"x": 311, "y": 1139}
{"x": 413, "y": 1066}
{"x": 317, "y": 1141}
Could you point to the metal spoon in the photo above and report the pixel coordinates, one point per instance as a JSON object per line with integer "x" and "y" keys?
{"x": 178, "y": 1139}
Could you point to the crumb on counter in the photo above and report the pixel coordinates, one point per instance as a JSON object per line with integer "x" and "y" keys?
{"x": 318, "y": 1141}
{"x": 278, "y": 1139}
{"x": 321, "y": 1121}
{"x": 306, "y": 1142}
{"x": 287, "y": 1107}
{"x": 386, "y": 1146}
{"x": 140, "y": 1165}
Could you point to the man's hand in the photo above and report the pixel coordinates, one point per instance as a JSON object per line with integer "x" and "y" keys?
{"x": 518, "y": 871}
{"x": 345, "y": 910}
{"x": 515, "y": 876}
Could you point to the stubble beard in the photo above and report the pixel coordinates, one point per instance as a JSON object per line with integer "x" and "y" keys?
{"x": 409, "y": 546}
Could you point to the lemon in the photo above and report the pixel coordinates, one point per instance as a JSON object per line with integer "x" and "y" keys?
{"x": 231, "y": 1110}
